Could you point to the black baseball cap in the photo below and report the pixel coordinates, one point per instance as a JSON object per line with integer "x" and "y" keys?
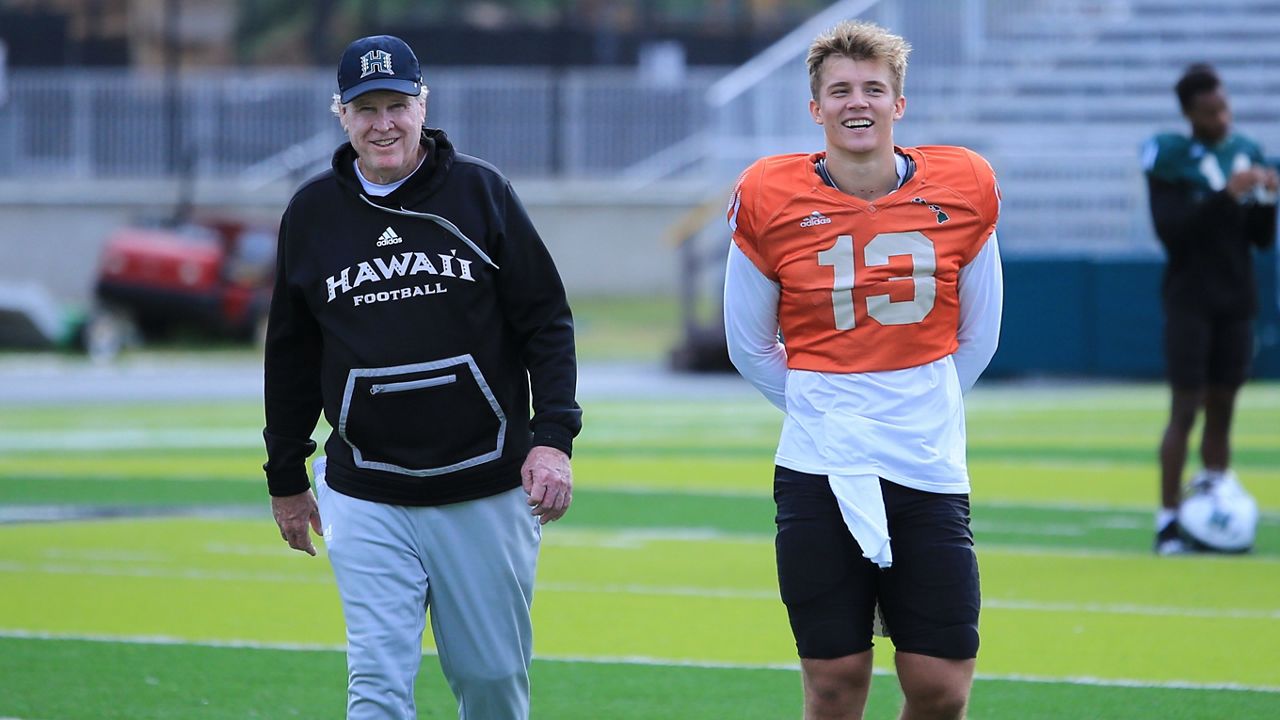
{"x": 379, "y": 62}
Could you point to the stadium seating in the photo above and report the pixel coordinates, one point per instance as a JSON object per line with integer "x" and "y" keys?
{"x": 1066, "y": 93}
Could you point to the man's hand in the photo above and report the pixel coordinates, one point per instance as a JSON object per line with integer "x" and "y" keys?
{"x": 293, "y": 513}
{"x": 549, "y": 481}
{"x": 1242, "y": 183}
{"x": 1270, "y": 179}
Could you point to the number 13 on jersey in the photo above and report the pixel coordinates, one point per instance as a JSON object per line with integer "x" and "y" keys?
{"x": 878, "y": 252}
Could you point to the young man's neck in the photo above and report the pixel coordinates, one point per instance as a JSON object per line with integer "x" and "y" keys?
{"x": 1208, "y": 141}
{"x": 869, "y": 177}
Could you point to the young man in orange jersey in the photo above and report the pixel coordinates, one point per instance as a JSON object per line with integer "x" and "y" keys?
{"x": 878, "y": 266}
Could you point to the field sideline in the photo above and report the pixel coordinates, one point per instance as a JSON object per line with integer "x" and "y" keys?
{"x": 167, "y": 593}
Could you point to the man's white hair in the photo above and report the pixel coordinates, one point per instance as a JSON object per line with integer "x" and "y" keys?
{"x": 336, "y": 105}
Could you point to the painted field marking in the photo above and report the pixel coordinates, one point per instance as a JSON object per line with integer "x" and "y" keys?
{"x": 142, "y": 572}
{"x": 1002, "y": 549}
{"x": 633, "y": 660}
{"x": 642, "y": 589}
{"x": 129, "y": 439}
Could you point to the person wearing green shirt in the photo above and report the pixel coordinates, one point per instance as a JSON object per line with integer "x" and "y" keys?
{"x": 1213, "y": 200}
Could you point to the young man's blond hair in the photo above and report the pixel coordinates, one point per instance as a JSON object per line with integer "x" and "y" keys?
{"x": 859, "y": 41}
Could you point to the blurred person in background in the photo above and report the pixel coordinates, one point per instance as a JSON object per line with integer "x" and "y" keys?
{"x": 880, "y": 267}
{"x": 416, "y": 306}
{"x": 1213, "y": 199}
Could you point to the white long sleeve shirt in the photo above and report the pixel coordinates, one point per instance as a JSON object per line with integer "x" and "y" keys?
{"x": 907, "y": 425}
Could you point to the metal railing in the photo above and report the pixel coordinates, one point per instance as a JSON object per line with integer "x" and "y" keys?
{"x": 1057, "y": 94}
{"x": 256, "y": 126}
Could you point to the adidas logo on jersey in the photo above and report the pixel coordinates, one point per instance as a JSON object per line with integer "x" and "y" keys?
{"x": 815, "y": 218}
{"x": 388, "y": 237}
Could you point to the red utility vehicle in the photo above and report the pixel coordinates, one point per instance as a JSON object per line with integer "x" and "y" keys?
{"x": 211, "y": 277}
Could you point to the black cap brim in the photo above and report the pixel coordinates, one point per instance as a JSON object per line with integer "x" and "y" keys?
{"x": 404, "y": 87}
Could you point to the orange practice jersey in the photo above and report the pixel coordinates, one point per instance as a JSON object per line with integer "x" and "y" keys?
{"x": 866, "y": 286}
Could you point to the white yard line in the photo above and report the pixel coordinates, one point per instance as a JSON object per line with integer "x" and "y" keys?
{"x": 169, "y": 640}
{"x": 634, "y": 538}
{"x": 161, "y": 572}
{"x": 1133, "y": 609}
{"x": 770, "y": 594}
{"x": 636, "y": 660}
{"x": 987, "y": 603}
{"x": 994, "y": 549}
{"x": 130, "y": 439}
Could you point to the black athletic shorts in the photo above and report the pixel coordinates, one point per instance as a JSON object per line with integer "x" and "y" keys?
{"x": 929, "y": 597}
{"x": 1201, "y": 348}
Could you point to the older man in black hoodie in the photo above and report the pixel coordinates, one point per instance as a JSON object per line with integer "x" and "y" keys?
{"x": 417, "y": 307}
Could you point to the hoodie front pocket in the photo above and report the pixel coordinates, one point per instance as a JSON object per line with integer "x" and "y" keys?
{"x": 421, "y": 419}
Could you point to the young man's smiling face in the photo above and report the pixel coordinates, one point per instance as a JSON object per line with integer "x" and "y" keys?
{"x": 857, "y": 105}
{"x": 384, "y": 127}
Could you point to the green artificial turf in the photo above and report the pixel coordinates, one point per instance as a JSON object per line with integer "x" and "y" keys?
{"x": 656, "y": 595}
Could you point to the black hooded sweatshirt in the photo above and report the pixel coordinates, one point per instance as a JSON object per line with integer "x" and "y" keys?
{"x": 419, "y": 323}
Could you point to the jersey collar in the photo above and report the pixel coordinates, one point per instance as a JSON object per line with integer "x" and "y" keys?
{"x": 907, "y": 162}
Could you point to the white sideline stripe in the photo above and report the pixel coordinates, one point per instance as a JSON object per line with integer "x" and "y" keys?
{"x": 628, "y": 539}
{"x": 143, "y": 572}
{"x": 129, "y": 439}
{"x": 636, "y": 660}
{"x": 1040, "y": 550}
{"x": 606, "y": 538}
{"x": 1083, "y": 507}
{"x": 1048, "y": 505}
{"x": 1131, "y": 609}
{"x": 1071, "y": 680}
{"x": 1265, "y": 516}
{"x": 251, "y": 437}
{"x": 15, "y": 634}
{"x": 987, "y": 603}
{"x": 1123, "y": 682}
{"x": 652, "y": 590}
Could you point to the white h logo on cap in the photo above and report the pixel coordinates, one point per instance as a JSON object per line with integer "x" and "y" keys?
{"x": 375, "y": 61}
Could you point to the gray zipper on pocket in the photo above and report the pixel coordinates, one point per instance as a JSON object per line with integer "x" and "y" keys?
{"x": 464, "y": 371}
{"x": 411, "y": 385}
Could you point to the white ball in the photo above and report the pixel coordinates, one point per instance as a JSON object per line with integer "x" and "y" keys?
{"x": 1220, "y": 515}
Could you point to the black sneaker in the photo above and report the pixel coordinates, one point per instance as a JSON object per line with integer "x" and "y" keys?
{"x": 1169, "y": 540}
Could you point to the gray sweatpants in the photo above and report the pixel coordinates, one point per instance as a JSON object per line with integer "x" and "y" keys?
{"x": 471, "y": 563}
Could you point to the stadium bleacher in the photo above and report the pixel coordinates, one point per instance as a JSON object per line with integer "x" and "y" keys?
{"x": 1078, "y": 91}
{"x": 1059, "y": 95}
